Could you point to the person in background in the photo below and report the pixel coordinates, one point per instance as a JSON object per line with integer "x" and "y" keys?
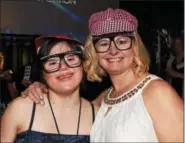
{"x": 65, "y": 117}
{"x": 6, "y": 84}
{"x": 133, "y": 108}
{"x": 26, "y": 75}
{"x": 175, "y": 65}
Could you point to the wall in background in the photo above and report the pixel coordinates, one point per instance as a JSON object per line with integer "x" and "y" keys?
{"x": 50, "y": 16}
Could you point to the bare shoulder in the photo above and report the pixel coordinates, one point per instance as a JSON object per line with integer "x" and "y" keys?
{"x": 16, "y": 114}
{"x": 18, "y": 107}
{"x": 159, "y": 91}
{"x": 21, "y": 103}
{"x": 166, "y": 110}
{"x": 161, "y": 100}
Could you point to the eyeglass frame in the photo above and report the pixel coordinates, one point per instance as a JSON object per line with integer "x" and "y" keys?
{"x": 61, "y": 56}
{"x": 111, "y": 37}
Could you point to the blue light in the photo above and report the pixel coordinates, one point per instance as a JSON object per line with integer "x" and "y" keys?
{"x": 68, "y": 12}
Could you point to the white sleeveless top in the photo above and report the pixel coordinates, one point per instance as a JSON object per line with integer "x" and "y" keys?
{"x": 127, "y": 121}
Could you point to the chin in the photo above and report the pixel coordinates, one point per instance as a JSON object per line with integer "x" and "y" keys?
{"x": 115, "y": 71}
{"x": 118, "y": 70}
{"x": 67, "y": 89}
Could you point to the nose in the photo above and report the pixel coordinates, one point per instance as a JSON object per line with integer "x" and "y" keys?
{"x": 113, "y": 49}
{"x": 63, "y": 65}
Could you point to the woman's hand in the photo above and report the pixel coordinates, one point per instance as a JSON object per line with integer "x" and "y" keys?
{"x": 36, "y": 92}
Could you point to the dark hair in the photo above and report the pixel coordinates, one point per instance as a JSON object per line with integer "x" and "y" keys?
{"x": 46, "y": 48}
{"x": 49, "y": 43}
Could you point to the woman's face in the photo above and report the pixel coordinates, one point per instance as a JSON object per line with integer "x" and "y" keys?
{"x": 65, "y": 79}
{"x": 119, "y": 58}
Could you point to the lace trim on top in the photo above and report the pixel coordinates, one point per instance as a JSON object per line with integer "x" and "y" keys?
{"x": 127, "y": 95}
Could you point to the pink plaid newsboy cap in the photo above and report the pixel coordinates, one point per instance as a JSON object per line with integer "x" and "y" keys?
{"x": 112, "y": 21}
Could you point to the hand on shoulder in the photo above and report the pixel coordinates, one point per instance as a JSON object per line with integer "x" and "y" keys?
{"x": 36, "y": 92}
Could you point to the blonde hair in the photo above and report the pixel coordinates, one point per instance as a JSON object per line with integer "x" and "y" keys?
{"x": 95, "y": 72}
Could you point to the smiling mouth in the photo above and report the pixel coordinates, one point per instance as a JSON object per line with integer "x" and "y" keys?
{"x": 65, "y": 77}
{"x": 114, "y": 59}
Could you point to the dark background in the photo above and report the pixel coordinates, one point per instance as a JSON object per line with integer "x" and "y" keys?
{"x": 157, "y": 14}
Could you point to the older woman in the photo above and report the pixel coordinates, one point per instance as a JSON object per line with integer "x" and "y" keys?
{"x": 139, "y": 107}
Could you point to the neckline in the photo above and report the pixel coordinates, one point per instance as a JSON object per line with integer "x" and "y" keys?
{"x": 127, "y": 91}
{"x": 79, "y": 116}
{"x": 54, "y": 134}
{"x": 112, "y": 101}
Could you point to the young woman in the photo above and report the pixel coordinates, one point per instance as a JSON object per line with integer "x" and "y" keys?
{"x": 65, "y": 117}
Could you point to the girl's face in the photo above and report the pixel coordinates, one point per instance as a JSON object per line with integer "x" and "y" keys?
{"x": 65, "y": 79}
{"x": 119, "y": 57}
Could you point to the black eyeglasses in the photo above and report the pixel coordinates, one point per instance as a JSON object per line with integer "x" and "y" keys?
{"x": 103, "y": 44}
{"x": 52, "y": 63}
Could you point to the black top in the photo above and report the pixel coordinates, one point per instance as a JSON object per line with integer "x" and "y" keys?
{"x": 41, "y": 137}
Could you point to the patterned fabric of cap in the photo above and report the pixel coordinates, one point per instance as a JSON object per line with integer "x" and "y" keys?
{"x": 112, "y": 21}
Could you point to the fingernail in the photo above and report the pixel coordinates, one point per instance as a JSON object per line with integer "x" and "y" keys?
{"x": 41, "y": 97}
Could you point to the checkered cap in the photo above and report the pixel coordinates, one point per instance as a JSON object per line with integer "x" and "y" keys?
{"x": 112, "y": 21}
{"x": 40, "y": 40}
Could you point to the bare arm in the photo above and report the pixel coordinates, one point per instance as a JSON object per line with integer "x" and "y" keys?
{"x": 9, "y": 124}
{"x": 15, "y": 119}
{"x": 166, "y": 110}
{"x": 36, "y": 92}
